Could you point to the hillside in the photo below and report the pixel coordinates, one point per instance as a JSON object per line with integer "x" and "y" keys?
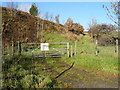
{"x": 23, "y": 27}
{"x": 53, "y": 55}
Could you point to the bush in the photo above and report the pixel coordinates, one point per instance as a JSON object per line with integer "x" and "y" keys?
{"x": 53, "y": 28}
{"x": 106, "y": 41}
{"x": 10, "y": 31}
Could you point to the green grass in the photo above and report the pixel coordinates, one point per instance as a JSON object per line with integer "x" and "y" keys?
{"x": 54, "y": 37}
{"x": 24, "y": 67}
{"x": 114, "y": 33}
{"x": 107, "y": 59}
{"x": 28, "y": 72}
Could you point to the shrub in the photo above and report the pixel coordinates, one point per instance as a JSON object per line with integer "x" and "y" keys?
{"x": 10, "y": 31}
{"x": 106, "y": 41}
{"x": 53, "y": 28}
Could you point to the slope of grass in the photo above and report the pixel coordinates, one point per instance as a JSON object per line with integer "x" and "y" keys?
{"x": 54, "y": 37}
{"x": 107, "y": 59}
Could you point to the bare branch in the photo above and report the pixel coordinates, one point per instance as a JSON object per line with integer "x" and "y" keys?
{"x": 12, "y": 5}
{"x": 113, "y": 12}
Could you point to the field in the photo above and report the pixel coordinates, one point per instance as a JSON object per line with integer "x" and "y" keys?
{"x": 20, "y": 69}
{"x": 106, "y": 61}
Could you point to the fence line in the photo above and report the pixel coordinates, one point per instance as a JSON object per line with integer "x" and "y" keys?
{"x": 96, "y": 47}
{"x": 58, "y": 47}
{"x": 63, "y": 48}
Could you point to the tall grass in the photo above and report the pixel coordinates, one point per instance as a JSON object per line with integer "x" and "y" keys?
{"x": 23, "y": 71}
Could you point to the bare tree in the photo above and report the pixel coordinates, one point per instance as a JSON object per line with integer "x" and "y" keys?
{"x": 92, "y": 27}
{"x": 93, "y": 23}
{"x": 69, "y": 23}
{"x": 46, "y": 15}
{"x": 12, "y": 5}
{"x": 113, "y": 12}
{"x": 39, "y": 14}
{"x": 51, "y": 18}
{"x": 57, "y": 18}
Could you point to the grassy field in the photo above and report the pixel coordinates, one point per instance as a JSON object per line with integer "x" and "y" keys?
{"x": 20, "y": 69}
{"x": 106, "y": 61}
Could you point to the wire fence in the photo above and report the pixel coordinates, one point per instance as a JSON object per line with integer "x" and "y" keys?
{"x": 58, "y": 49}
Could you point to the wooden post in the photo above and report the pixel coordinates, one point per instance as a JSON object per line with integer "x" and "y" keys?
{"x": 12, "y": 48}
{"x": 37, "y": 29}
{"x": 19, "y": 47}
{"x": 75, "y": 52}
{"x": 71, "y": 51}
{"x": 42, "y": 31}
{"x": 68, "y": 49}
{"x": 3, "y": 50}
{"x": 96, "y": 47}
{"x": 116, "y": 45}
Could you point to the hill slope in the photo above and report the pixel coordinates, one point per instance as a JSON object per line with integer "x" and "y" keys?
{"x": 23, "y": 27}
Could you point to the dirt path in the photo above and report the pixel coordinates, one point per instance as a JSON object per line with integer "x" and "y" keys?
{"x": 83, "y": 79}
{"x": 77, "y": 78}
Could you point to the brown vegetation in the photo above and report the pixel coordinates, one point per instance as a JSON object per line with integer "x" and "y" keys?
{"x": 75, "y": 28}
{"x": 21, "y": 26}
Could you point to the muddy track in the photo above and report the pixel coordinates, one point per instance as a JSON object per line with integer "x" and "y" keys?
{"x": 77, "y": 78}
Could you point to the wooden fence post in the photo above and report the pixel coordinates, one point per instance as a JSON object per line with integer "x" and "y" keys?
{"x": 68, "y": 49}
{"x": 3, "y": 50}
{"x": 116, "y": 46}
{"x": 96, "y": 52}
{"x": 12, "y": 48}
{"x": 71, "y": 51}
{"x": 75, "y": 52}
{"x": 19, "y": 47}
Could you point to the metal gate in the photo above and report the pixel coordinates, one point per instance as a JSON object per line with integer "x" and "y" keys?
{"x": 56, "y": 49}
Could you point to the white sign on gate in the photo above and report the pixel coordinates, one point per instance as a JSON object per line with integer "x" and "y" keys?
{"x": 44, "y": 46}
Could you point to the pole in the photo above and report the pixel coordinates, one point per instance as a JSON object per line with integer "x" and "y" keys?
{"x": 12, "y": 48}
{"x": 117, "y": 46}
{"x": 96, "y": 47}
{"x": 68, "y": 49}
{"x": 37, "y": 28}
{"x": 71, "y": 51}
{"x": 42, "y": 31}
{"x": 19, "y": 47}
{"x": 3, "y": 50}
{"x": 75, "y": 52}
